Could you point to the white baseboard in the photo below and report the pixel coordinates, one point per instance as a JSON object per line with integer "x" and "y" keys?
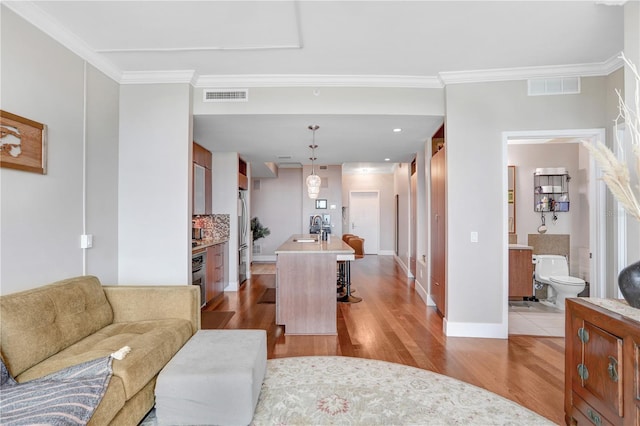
{"x": 403, "y": 266}
{"x": 424, "y": 295}
{"x": 387, "y": 253}
{"x": 232, "y": 286}
{"x": 467, "y": 329}
{"x": 264, "y": 258}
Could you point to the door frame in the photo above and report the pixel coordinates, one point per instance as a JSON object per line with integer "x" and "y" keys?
{"x": 367, "y": 191}
{"x": 597, "y": 206}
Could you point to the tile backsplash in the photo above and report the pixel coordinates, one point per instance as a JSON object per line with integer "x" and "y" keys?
{"x": 214, "y": 227}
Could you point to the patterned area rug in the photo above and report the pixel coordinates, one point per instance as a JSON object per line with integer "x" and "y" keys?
{"x": 333, "y": 390}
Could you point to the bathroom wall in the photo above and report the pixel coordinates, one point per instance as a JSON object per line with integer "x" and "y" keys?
{"x": 575, "y": 222}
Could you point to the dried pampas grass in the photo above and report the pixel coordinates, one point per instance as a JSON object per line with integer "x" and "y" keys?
{"x": 615, "y": 172}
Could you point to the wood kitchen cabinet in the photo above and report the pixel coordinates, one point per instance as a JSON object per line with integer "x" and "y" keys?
{"x": 602, "y": 380}
{"x": 216, "y": 272}
{"x": 243, "y": 180}
{"x": 203, "y": 161}
{"x": 438, "y": 230}
{"x": 520, "y": 273}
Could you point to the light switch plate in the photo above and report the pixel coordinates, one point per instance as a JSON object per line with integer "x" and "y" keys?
{"x": 86, "y": 241}
{"x": 474, "y": 236}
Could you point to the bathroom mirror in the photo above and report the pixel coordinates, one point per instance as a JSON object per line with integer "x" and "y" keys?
{"x": 511, "y": 198}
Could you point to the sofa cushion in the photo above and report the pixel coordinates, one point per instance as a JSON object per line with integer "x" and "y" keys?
{"x": 38, "y": 323}
{"x": 153, "y": 343}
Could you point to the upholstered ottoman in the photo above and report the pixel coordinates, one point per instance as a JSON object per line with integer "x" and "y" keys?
{"x": 215, "y": 378}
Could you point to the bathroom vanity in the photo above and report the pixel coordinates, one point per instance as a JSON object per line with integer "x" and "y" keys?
{"x": 520, "y": 271}
{"x": 602, "y": 377}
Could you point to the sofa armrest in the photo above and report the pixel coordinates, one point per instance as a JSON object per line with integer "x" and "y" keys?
{"x": 136, "y": 303}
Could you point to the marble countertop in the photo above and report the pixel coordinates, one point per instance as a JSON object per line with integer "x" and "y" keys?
{"x": 619, "y": 306}
{"x": 332, "y": 245}
{"x": 203, "y": 244}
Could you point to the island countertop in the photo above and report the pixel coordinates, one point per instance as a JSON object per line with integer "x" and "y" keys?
{"x": 333, "y": 245}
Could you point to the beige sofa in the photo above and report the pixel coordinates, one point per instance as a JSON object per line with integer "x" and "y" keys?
{"x": 46, "y": 329}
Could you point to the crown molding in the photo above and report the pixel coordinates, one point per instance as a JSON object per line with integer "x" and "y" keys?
{"x": 158, "y": 77}
{"x": 317, "y": 80}
{"x": 29, "y": 11}
{"x": 525, "y": 73}
{"x": 47, "y": 24}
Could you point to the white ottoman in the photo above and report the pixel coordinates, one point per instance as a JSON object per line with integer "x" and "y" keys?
{"x": 215, "y": 379}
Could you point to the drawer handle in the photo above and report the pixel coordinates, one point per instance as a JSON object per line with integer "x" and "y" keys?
{"x": 583, "y": 334}
{"x": 594, "y": 417}
{"x": 583, "y": 372}
{"x": 613, "y": 369}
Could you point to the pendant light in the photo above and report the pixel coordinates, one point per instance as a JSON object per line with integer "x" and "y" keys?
{"x": 313, "y": 180}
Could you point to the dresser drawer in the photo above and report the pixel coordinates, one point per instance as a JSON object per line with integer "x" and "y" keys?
{"x": 587, "y": 415}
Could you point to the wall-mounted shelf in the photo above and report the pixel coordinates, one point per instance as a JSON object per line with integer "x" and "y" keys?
{"x": 551, "y": 192}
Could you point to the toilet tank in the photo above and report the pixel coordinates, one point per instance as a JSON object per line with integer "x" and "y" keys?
{"x": 549, "y": 265}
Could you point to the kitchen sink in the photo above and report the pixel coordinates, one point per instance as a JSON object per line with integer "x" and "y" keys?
{"x": 305, "y": 240}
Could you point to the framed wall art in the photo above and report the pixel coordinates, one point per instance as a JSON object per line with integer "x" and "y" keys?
{"x": 321, "y": 204}
{"x": 23, "y": 143}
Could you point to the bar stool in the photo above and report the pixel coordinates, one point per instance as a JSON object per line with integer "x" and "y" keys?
{"x": 341, "y": 282}
{"x": 358, "y": 245}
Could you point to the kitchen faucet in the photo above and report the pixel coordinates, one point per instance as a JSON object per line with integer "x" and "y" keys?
{"x": 313, "y": 220}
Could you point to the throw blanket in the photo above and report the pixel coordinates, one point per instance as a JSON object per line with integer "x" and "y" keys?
{"x": 66, "y": 397}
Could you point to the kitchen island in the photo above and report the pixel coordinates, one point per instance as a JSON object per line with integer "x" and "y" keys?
{"x": 306, "y": 283}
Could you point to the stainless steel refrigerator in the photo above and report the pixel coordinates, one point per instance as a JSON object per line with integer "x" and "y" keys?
{"x": 243, "y": 237}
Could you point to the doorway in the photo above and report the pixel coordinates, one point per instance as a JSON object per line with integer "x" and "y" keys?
{"x": 591, "y": 193}
{"x": 364, "y": 218}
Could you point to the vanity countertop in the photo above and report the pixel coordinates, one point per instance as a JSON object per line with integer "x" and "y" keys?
{"x": 520, "y": 247}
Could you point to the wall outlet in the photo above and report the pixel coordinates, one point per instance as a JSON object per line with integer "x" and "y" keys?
{"x": 86, "y": 241}
{"x": 474, "y": 236}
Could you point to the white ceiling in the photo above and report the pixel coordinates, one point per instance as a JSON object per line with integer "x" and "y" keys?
{"x": 395, "y": 42}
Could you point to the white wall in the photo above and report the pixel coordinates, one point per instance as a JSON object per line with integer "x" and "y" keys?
{"x": 277, "y": 204}
{"x": 332, "y": 193}
{"x": 225, "y": 201}
{"x": 384, "y": 184}
{"x": 331, "y": 100}
{"x": 477, "y": 114}
{"x": 42, "y": 215}
{"x": 102, "y": 176}
{"x": 154, "y": 209}
{"x": 401, "y": 188}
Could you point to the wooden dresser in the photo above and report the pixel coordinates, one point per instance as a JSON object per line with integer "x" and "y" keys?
{"x": 602, "y": 382}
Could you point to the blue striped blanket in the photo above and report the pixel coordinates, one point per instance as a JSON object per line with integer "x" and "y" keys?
{"x": 66, "y": 397}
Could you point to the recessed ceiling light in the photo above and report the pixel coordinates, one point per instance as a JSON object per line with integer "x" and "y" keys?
{"x": 397, "y": 130}
{"x": 387, "y": 159}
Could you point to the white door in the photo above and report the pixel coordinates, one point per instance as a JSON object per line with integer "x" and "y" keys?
{"x": 364, "y": 218}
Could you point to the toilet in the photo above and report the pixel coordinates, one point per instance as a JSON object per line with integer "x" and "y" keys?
{"x": 553, "y": 270}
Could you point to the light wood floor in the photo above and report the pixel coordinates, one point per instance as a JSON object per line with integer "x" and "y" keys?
{"x": 393, "y": 324}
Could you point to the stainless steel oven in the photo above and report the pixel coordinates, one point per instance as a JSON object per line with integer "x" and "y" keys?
{"x": 199, "y": 274}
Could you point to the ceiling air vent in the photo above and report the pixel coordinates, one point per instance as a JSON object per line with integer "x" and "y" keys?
{"x": 225, "y": 95}
{"x": 554, "y": 86}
